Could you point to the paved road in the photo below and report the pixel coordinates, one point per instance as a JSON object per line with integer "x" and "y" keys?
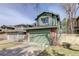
{"x": 20, "y": 51}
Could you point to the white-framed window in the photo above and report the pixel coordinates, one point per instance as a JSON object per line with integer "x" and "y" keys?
{"x": 45, "y": 20}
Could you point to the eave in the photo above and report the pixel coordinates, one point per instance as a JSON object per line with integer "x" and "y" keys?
{"x": 41, "y": 27}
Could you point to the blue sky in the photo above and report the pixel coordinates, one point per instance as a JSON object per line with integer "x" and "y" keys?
{"x": 12, "y": 14}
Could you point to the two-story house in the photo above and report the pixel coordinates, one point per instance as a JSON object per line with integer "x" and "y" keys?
{"x": 46, "y": 29}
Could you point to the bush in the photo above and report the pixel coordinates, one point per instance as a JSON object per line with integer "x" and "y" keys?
{"x": 59, "y": 51}
{"x": 4, "y": 49}
{"x": 66, "y": 45}
{"x": 51, "y": 51}
{"x": 44, "y": 53}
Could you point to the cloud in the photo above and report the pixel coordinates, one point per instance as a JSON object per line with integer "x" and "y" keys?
{"x": 11, "y": 16}
{"x": 58, "y": 10}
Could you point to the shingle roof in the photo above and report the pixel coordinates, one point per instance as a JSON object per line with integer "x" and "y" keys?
{"x": 7, "y": 31}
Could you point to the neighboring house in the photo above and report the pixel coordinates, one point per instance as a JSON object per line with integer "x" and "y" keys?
{"x": 76, "y": 25}
{"x": 21, "y": 26}
{"x": 12, "y": 35}
{"x": 16, "y": 32}
{"x": 2, "y": 35}
{"x": 46, "y": 29}
{"x": 4, "y": 27}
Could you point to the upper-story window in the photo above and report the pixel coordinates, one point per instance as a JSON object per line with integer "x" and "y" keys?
{"x": 45, "y": 20}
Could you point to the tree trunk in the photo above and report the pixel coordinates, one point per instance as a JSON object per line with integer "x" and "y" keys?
{"x": 70, "y": 23}
{"x": 70, "y": 26}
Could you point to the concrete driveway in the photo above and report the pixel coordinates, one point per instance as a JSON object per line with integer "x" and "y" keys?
{"x": 21, "y": 51}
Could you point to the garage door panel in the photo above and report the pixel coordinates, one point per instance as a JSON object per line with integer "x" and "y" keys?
{"x": 39, "y": 39}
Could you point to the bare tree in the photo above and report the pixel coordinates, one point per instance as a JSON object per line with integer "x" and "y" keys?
{"x": 38, "y": 7}
{"x": 70, "y": 9}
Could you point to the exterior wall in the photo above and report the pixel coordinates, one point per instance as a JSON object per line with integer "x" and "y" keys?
{"x": 50, "y": 21}
{"x": 54, "y": 20}
{"x": 3, "y": 36}
{"x": 15, "y": 36}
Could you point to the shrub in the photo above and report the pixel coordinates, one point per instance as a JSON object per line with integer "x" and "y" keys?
{"x": 66, "y": 45}
{"x": 44, "y": 53}
{"x": 59, "y": 51}
{"x": 4, "y": 49}
{"x": 51, "y": 51}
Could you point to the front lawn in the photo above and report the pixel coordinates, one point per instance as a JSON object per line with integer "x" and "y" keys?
{"x": 60, "y": 51}
{"x": 7, "y": 44}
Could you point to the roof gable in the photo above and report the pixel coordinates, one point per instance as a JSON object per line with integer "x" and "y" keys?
{"x": 47, "y": 14}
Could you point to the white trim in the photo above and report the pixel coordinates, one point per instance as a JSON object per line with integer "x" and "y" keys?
{"x": 40, "y": 22}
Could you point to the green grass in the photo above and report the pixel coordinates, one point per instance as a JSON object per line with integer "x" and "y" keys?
{"x": 60, "y": 51}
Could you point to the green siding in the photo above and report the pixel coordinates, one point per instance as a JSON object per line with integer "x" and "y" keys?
{"x": 50, "y": 21}
{"x": 54, "y": 20}
{"x": 40, "y": 37}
